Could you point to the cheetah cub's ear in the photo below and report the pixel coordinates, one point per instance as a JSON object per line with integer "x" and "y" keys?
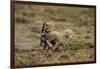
{"x": 52, "y": 29}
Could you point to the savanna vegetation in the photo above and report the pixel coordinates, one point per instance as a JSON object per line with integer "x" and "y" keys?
{"x": 28, "y": 24}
